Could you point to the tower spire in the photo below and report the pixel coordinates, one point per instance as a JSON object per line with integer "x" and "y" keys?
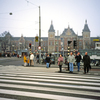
{"x": 86, "y": 21}
{"x": 86, "y": 28}
{"x": 51, "y": 28}
{"x": 51, "y": 22}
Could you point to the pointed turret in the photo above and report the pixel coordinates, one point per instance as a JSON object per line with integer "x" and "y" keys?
{"x": 86, "y": 28}
{"x": 86, "y": 36}
{"x": 51, "y": 39}
{"x": 51, "y": 28}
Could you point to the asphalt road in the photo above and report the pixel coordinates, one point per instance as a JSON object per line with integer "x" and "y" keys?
{"x": 11, "y": 61}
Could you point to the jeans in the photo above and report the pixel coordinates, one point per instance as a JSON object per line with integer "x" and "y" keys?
{"x": 47, "y": 65}
{"x": 78, "y": 65}
{"x": 71, "y": 67}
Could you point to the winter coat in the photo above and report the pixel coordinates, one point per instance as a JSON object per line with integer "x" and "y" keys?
{"x": 86, "y": 60}
{"x": 47, "y": 59}
{"x": 60, "y": 59}
{"x": 31, "y": 57}
{"x": 25, "y": 59}
{"x": 78, "y": 58}
{"x": 71, "y": 59}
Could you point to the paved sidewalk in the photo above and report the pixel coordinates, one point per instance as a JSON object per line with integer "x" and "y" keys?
{"x": 55, "y": 66}
{"x": 55, "y": 69}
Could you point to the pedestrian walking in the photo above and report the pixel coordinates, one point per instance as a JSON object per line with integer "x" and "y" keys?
{"x": 67, "y": 63}
{"x": 86, "y": 60}
{"x": 47, "y": 61}
{"x": 60, "y": 62}
{"x": 71, "y": 61}
{"x": 31, "y": 59}
{"x": 25, "y": 60}
{"x": 50, "y": 60}
{"x": 28, "y": 61}
{"x": 37, "y": 58}
{"x": 78, "y": 59}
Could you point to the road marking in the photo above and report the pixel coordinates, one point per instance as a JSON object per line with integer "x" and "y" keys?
{"x": 50, "y": 80}
{"x": 49, "y": 89}
{"x": 41, "y": 95}
{"x": 50, "y": 77}
{"x": 51, "y": 84}
{"x": 6, "y": 99}
{"x": 52, "y": 74}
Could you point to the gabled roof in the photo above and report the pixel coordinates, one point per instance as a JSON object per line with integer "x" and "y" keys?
{"x": 8, "y": 35}
{"x": 44, "y": 38}
{"x": 65, "y": 31}
{"x": 30, "y": 38}
{"x": 51, "y": 28}
{"x": 86, "y": 28}
{"x": 80, "y": 36}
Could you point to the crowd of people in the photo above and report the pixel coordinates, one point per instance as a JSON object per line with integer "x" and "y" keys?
{"x": 8, "y": 54}
{"x": 29, "y": 61}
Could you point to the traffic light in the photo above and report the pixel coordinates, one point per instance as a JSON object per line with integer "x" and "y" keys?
{"x": 69, "y": 42}
{"x": 68, "y": 51}
{"x": 30, "y": 45}
{"x": 75, "y": 43}
{"x": 36, "y": 39}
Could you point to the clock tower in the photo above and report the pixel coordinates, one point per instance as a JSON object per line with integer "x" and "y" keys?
{"x": 86, "y": 36}
{"x": 51, "y": 39}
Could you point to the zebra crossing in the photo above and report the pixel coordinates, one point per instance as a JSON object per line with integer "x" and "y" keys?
{"x": 23, "y": 85}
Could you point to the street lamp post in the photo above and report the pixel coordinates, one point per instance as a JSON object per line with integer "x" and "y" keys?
{"x": 32, "y": 48}
{"x": 39, "y": 35}
{"x": 39, "y": 30}
{"x": 20, "y": 48}
{"x": 57, "y": 43}
{"x": 63, "y": 47}
{"x": 13, "y": 47}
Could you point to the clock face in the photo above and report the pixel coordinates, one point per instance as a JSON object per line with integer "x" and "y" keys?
{"x": 68, "y": 33}
{"x": 51, "y": 35}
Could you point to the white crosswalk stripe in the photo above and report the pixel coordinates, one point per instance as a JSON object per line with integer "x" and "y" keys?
{"x": 23, "y": 85}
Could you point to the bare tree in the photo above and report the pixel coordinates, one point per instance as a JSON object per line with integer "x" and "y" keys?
{"x": 6, "y": 39}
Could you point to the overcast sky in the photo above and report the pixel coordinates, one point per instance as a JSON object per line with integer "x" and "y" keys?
{"x": 25, "y": 18}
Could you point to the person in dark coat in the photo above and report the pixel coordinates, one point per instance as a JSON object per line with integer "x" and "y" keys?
{"x": 47, "y": 61}
{"x": 37, "y": 58}
{"x": 50, "y": 60}
{"x": 86, "y": 60}
{"x": 78, "y": 59}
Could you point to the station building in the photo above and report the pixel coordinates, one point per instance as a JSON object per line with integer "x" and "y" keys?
{"x": 67, "y": 41}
